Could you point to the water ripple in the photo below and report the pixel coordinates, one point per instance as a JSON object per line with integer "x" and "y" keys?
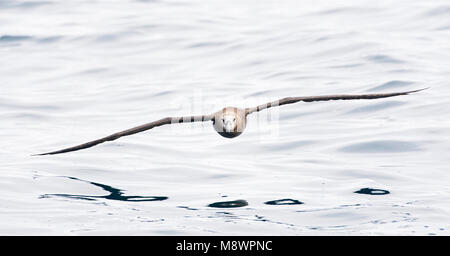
{"x": 23, "y": 4}
{"x": 377, "y": 107}
{"x": 14, "y": 38}
{"x": 114, "y": 194}
{"x": 383, "y": 59}
{"x": 391, "y": 85}
{"x": 381, "y": 146}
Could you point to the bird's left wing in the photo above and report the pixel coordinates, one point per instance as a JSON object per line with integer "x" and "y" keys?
{"x": 141, "y": 128}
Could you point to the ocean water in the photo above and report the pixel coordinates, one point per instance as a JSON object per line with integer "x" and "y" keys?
{"x": 74, "y": 71}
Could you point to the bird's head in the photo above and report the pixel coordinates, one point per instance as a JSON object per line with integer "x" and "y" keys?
{"x": 230, "y": 122}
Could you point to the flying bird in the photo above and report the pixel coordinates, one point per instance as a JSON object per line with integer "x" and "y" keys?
{"x": 229, "y": 122}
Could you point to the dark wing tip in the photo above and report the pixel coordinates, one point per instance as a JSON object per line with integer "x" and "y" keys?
{"x": 82, "y": 146}
{"x": 137, "y": 129}
{"x": 418, "y": 90}
{"x": 42, "y": 154}
{"x": 51, "y": 153}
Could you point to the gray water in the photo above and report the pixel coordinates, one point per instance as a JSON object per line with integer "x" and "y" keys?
{"x": 74, "y": 71}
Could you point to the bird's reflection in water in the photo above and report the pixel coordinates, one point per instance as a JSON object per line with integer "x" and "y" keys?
{"x": 229, "y": 204}
{"x": 286, "y": 201}
{"x": 114, "y": 194}
{"x": 372, "y": 191}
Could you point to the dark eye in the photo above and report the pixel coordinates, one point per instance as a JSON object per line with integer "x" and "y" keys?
{"x": 223, "y": 119}
{"x": 234, "y": 119}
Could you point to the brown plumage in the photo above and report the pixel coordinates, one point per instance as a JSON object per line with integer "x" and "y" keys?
{"x": 237, "y": 117}
{"x": 229, "y": 122}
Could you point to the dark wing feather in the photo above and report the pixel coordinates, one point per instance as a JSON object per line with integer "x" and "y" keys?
{"x": 290, "y": 100}
{"x": 141, "y": 128}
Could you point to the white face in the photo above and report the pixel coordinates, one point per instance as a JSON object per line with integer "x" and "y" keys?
{"x": 228, "y": 123}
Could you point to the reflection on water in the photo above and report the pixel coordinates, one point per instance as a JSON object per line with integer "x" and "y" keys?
{"x": 372, "y": 191}
{"x": 229, "y": 204}
{"x": 188, "y": 208}
{"x": 114, "y": 194}
{"x": 284, "y": 202}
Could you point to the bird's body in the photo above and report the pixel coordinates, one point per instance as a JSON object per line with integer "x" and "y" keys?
{"x": 229, "y": 122}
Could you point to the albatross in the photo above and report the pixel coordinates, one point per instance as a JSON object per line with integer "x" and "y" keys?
{"x": 229, "y": 122}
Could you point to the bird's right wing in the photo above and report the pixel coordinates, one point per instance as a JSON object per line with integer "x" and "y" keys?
{"x": 141, "y": 128}
{"x": 290, "y": 100}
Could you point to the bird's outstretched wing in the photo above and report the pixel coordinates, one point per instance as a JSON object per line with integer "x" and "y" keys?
{"x": 290, "y": 100}
{"x": 141, "y": 128}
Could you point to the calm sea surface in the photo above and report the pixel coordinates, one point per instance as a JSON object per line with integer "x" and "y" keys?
{"x": 74, "y": 71}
